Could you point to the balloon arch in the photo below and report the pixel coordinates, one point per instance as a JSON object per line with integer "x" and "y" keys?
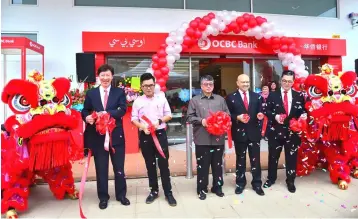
{"x": 224, "y": 22}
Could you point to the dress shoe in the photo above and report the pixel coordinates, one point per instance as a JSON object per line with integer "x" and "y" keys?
{"x": 171, "y": 200}
{"x": 202, "y": 196}
{"x": 218, "y": 191}
{"x": 291, "y": 187}
{"x": 124, "y": 201}
{"x": 151, "y": 197}
{"x": 103, "y": 204}
{"x": 239, "y": 189}
{"x": 268, "y": 184}
{"x": 259, "y": 191}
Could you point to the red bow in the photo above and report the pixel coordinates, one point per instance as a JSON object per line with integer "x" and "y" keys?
{"x": 219, "y": 123}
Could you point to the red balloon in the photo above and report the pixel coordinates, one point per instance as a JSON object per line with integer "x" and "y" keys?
{"x": 193, "y": 24}
{"x": 161, "y": 82}
{"x": 244, "y": 27}
{"x": 184, "y": 47}
{"x": 163, "y": 46}
{"x": 226, "y": 30}
{"x": 198, "y": 19}
{"x": 252, "y": 23}
{"x": 246, "y": 16}
{"x": 162, "y": 62}
{"x": 161, "y": 53}
{"x": 155, "y": 66}
{"x": 297, "y": 52}
{"x": 232, "y": 25}
{"x": 190, "y": 32}
{"x": 157, "y": 74}
{"x": 163, "y": 88}
{"x": 267, "y": 41}
{"x": 275, "y": 40}
{"x": 289, "y": 41}
{"x": 292, "y": 48}
{"x": 283, "y": 40}
{"x": 237, "y": 30}
{"x": 201, "y": 26}
{"x": 275, "y": 46}
{"x": 187, "y": 40}
{"x": 260, "y": 20}
{"x": 165, "y": 77}
{"x": 206, "y": 20}
{"x": 211, "y": 15}
{"x": 155, "y": 58}
{"x": 240, "y": 20}
{"x": 284, "y": 48}
{"x": 164, "y": 70}
{"x": 198, "y": 34}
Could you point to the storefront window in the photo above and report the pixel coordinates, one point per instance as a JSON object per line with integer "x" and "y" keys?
{"x": 316, "y": 8}
{"x": 218, "y": 5}
{"x": 177, "y": 90}
{"x": 179, "y": 4}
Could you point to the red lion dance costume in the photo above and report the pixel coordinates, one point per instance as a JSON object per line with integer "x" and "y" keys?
{"x": 37, "y": 140}
{"x": 329, "y": 133}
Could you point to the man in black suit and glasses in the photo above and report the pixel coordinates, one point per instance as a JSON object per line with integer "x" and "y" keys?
{"x": 282, "y": 106}
{"x": 112, "y": 100}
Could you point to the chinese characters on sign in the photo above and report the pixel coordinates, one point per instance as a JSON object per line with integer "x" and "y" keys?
{"x": 315, "y": 46}
{"x": 127, "y": 43}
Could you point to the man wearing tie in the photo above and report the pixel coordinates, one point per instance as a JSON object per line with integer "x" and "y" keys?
{"x": 112, "y": 100}
{"x": 283, "y": 105}
{"x": 245, "y": 109}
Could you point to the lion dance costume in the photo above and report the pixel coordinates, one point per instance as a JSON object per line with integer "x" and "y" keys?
{"x": 329, "y": 131}
{"x": 37, "y": 140}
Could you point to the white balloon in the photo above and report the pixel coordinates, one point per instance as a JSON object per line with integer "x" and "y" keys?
{"x": 149, "y": 70}
{"x": 178, "y": 40}
{"x": 305, "y": 73}
{"x": 181, "y": 31}
{"x": 257, "y": 30}
{"x": 233, "y": 14}
{"x": 279, "y": 33}
{"x": 178, "y": 48}
{"x": 281, "y": 55}
{"x": 222, "y": 26}
{"x": 265, "y": 26}
{"x": 170, "y": 66}
{"x": 285, "y": 63}
{"x": 271, "y": 26}
{"x": 259, "y": 36}
{"x": 170, "y": 50}
{"x": 170, "y": 59}
{"x": 297, "y": 58}
{"x": 185, "y": 25}
{"x": 289, "y": 57}
{"x": 209, "y": 30}
{"x": 177, "y": 56}
{"x": 291, "y": 66}
{"x": 250, "y": 32}
{"x": 170, "y": 41}
{"x": 172, "y": 33}
{"x": 157, "y": 88}
{"x": 268, "y": 35}
{"x": 220, "y": 15}
{"x": 215, "y": 32}
{"x": 204, "y": 35}
{"x": 227, "y": 19}
{"x": 214, "y": 22}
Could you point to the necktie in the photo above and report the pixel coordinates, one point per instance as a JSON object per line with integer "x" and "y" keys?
{"x": 246, "y": 103}
{"x": 285, "y": 102}
{"x": 105, "y": 99}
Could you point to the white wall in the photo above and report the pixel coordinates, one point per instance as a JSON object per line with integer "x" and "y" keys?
{"x": 59, "y": 26}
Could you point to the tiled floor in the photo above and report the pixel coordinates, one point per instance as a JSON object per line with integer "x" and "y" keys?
{"x": 316, "y": 197}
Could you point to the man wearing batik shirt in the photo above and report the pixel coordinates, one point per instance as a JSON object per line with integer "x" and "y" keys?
{"x": 156, "y": 109}
{"x": 209, "y": 149}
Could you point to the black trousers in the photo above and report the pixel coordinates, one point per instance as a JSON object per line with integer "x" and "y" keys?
{"x": 151, "y": 154}
{"x": 254, "y": 154}
{"x": 275, "y": 149}
{"x": 206, "y": 156}
{"x": 101, "y": 160}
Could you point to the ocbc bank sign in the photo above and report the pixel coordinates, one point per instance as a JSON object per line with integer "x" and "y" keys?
{"x": 206, "y": 44}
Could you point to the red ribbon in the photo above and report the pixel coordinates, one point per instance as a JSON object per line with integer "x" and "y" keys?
{"x": 264, "y": 126}
{"x": 219, "y": 123}
{"x": 83, "y": 183}
{"x": 104, "y": 123}
{"x": 154, "y": 136}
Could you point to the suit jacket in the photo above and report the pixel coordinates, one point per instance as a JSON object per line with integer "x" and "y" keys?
{"x": 275, "y": 107}
{"x": 251, "y": 130}
{"x": 116, "y": 107}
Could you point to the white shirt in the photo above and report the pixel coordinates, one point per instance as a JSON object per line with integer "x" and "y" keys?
{"x": 289, "y": 97}
{"x": 243, "y": 97}
{"x": 101, "y": 91}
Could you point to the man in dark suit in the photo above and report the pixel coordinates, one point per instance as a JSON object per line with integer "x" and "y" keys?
{"x": 245, "y": 109}
{"x": 283, "y": 105}
{"x": 112, "y": 100}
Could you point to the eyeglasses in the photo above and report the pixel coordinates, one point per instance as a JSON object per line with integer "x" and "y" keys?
{"x": 287, "y": 82}
{"x": 208, "y": 84}
{"x": 149, "y": 86}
